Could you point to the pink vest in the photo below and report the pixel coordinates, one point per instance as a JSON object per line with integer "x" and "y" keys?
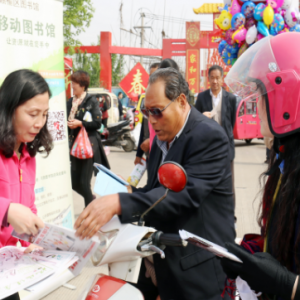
{"x": 17, "y": 180}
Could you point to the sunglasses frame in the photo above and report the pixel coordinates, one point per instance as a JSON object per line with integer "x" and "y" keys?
{"x": 160, "y": 110}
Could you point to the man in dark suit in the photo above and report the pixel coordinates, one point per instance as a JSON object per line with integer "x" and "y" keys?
{"x": 219, "y": 105}
{"x": 204, "y": 207}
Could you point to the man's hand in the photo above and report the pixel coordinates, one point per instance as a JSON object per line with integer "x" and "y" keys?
{"x": 97, "y": 214}
{"x": 74, "y": 124}
{"x": 145, "y": 146}
{"x": 207, "y": 114}
{"x": 138, "y": 160}
{"x": 32, "y": 247}
{"x": 23, "y": 220}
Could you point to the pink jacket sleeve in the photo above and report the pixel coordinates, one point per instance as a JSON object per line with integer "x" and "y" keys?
{"x": 4, "y": 203}
{"x": 34, "y": 210}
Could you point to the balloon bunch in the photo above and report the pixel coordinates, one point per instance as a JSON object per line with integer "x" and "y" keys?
{"x": 245, "y": 22}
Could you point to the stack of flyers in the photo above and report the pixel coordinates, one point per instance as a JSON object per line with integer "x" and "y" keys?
{"x": 53, "y": 237}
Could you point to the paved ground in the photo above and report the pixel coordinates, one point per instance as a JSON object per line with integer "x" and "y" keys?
{"x": 248, "y": 166}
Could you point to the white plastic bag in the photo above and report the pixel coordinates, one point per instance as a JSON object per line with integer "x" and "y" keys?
{"x": 244, "y": 290}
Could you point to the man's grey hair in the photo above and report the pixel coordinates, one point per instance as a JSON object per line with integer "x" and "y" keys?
{"x": 175, "y": 84}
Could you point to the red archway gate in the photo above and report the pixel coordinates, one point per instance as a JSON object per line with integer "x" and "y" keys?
{"x": 171, "y": 48}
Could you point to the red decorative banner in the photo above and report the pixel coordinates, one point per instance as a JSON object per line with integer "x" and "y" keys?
{"x": 135, "y": 81}
{"x": 192, "y": 69}
{"x": 192, "y": 74}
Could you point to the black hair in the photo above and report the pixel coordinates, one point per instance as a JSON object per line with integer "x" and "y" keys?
{"x": 17, "y": 88}
{"x": 168, "y": 63}
{"x": 154, "y": 65}
{"x": 120, "y": 93}
{"x": 175, "y": 84}
{"x": 216, "y": 67}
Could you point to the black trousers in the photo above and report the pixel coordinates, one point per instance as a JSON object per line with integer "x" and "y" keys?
{"x": 104, "y": 122}
{"x": 81, "y": 174}
{"x": 233, "y": 186}
{"x": 145, "y": 285}
{"x": 13, "y": 297}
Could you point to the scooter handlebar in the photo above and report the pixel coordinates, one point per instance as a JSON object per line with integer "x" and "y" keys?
{"x": 170, "y": 239}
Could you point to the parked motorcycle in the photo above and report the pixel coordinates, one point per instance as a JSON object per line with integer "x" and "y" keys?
{"x": 119, "y": 135}
{"x": 123, "y": 246}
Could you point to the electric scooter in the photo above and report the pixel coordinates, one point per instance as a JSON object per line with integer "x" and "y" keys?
{"x": 123, "y": 246}
{"x": 119, "y": 135}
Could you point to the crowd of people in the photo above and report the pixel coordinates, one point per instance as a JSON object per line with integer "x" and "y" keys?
{"x": 198, "y": 138}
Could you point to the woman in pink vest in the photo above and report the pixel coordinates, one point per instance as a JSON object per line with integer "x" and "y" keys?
{"x": 24, "y": 102}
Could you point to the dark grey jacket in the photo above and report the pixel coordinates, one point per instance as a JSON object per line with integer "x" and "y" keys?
{"x": 228, "y": 113}
{"x": 204, "y": 207}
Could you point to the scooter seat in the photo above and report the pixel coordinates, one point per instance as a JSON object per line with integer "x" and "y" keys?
{"x": 118, "y": 124}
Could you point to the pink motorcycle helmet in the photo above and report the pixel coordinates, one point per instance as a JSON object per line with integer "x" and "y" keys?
{"x": 271, "y": 68}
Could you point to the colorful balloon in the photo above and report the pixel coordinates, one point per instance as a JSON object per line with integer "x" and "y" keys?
{"x": 249, "y": 23}
{"x": 222, "y": 46}
{"x": 228, "y": 36}
{"x": 275, "y": 4}
{"x": 237, "y": 21}
{"x": 251, "y": 35}
{"x": 260, "y": 36}
{"x": 258, "y": 12}
{"x": 263, "y": 29}
{"x": 242, "y": 50}
{"x": 224, "y": 20}
{"x": 228, "y": 57}
{"x": 248, "y": 9}
{"x": 296, "y": 28}
{"x": 240, "y": 34}
{"x": 291, "y": 17}
{"x": 234, "y": 49}
{"x": 277, "y": 24}
{"x": 235, "y": 7}
{"x": 286, "y": 4}
{"x": 268, "y": 15}
{"x": 285, "y": 29}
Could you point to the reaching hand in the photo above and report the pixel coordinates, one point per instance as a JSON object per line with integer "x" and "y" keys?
{"x": 261, "y": 271}
{"x": 97, "y": 214}
{"x": 23, "y": 220}
{"x": 145, "y": 146}
{"x": 138, "y": 160}
{"x": 32, "y": 247}
{"x": 207, "y": 114}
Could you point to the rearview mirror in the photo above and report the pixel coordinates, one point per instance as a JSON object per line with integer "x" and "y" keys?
{"x": 172, "y": 176}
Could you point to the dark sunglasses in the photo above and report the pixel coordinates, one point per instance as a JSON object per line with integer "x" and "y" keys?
{"x": 155, "y": 112}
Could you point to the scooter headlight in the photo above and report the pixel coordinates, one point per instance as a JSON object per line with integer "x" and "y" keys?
{"x": 105, "y": 239}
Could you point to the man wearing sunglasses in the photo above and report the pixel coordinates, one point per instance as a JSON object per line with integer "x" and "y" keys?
{"x": 204, "y": 207}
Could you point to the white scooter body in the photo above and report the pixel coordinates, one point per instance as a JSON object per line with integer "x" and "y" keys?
{"x": 122, "y": 247}
{"x": 123, "y": 259}
{"x": 122, "y": 256}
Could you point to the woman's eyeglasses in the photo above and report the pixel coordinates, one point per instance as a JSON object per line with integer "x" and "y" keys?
{"x": 155, "y": 112}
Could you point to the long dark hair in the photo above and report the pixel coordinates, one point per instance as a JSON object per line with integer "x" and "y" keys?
{"x": 285, "y": 246}
{"x": 17, "y": 88}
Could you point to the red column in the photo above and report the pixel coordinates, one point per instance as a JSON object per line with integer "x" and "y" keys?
{"x": 105, "y": 60}
{"x": 167, "y": 48}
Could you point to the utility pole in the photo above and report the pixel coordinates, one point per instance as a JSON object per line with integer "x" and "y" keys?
{"x": 142, "y": 34}
{"x": 121, "y": 22}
